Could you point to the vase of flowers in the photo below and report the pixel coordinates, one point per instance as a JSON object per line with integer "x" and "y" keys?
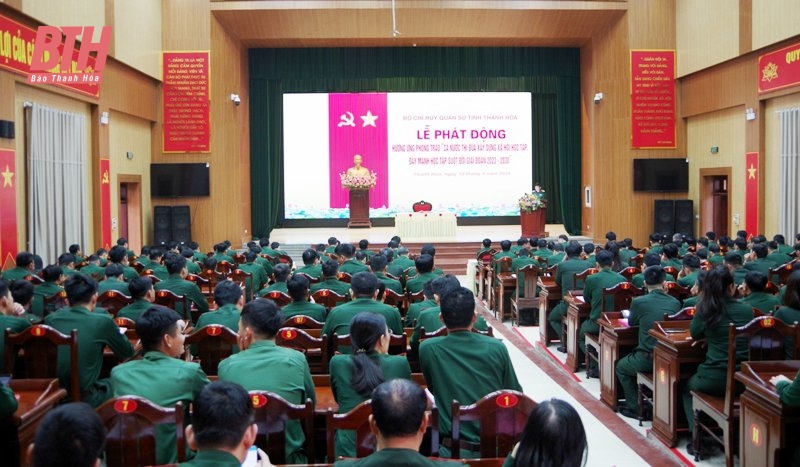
{"x": 532, "y": 209}
{"x": 358, "y": 182}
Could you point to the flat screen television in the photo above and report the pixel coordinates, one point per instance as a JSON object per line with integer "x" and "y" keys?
{"x": 179, "y": 180}
{"x": 662, "y": 175}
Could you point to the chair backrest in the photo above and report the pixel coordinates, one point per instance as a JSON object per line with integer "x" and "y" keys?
{"x": 244, "y": 279}
{"x": 271, "y": 414}
{"x": 280, "y": 298}
{"x": 684, "y": 314}
{"x": 39, "y": 344}
{"x": 783, "y": 271}
{"x": 530, "y": 278}
{"x": 421, "y": 206}
{"x": 225, "y": 267}
{"x": 238, "y": 258}
{"x": 345, "y": 277}
{"x": 54, "y": 302}
{"x": 390, "y": 297}
{"x": 487, "y": 256}
{"x": 302, "y": 322}
{"x": 772, "y": 288}
{"x": 209, "y": 281}
{"x": 214, "y": 343}
{"x": 286, "y": 259}
{"x": 131, "y": 422}
{"x": 113, "y": 301}
{"x": 622, "y": 293}
{"x": 580, "y": 277}
{"x": 629, "y": 272}
{"x": 678, "y": 291}
{"x": 503, "y": 264}
{"x": 673, "y": 271}
{"x": 328, "y": 298}
{"x": 314, "y": 348}
{"x": 311, "y": 280}
{"x": 169, "y": 299}
{"x": 414, "y": 297}
{"x": 502, "y": 416}
{"x": 398, "y": 343}
{"x": 358, "y": 420}
{"x": 129, "y": 325}
{"x": 637, "y": 261}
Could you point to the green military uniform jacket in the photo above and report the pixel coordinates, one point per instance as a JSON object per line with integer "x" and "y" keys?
{"x": 391, "y": 284}
{"x": 738, "y": 275}
{"x": 429, "y": 319}
{"x": 391, "y": 457}
{"x": 790, "y": 392}
{"x": 192, "y": 267}
{"x": 112, "y": 283}
{"x": 199, "y": 256}
{"x": 266, "y": 264}
{"x": 259, "y": 277}
{"x": 179, "y": 286}
{"x": 94, "y": 270}
{"x": 146, "y": 262}
{"x": 313, "y": 271}
{"x": 760, "y": 264}
{"x": 165, "y": 381}
{"x": 312, "y": 310}
{"x": 16, "y": 324}
{"x": 638, "y": 280}
{"x": 16, "y": 273}
{"x": 129, "y": 273}
{"x": 691, "y": 301}
{"x": 415, "y": 309}
{"x": 8, "y": 402}
{"x": 341, "y": 371}
{"x": 212, "y": 458}
{"x": 418, "y": 282}
{"x": 556, "y": 258}
{"x": 675, "y": 263}
{"x": 266, "y": 367}
{"x": 226, "y": 315}
{"x": 716, "y": 260}
{"x": 161, "y": 272}
{"x": 593, "y": 291}
{"x": 135, "y": 309}
{"x": 95, "y": 332}
{"x": 399, "y": 264}
{"x": 542, "y": 253}
{"x": 648, "y": 309}
{"x": 276, "y": 287}
{"x": 338, "y": 320}
{"x": 342, "y": 288}
{"x": 765, "y": 302}
{"x": 45, "y": 289}
{"x": 352, "y": 266}
{"x": 716, "y": 362}
{"x": 688, "y": 280}
{"x": 789, "y": 316}
{"x": 567, "y": 270}
{"x": 450, "y": 362}
{"x": 778, "y": 258}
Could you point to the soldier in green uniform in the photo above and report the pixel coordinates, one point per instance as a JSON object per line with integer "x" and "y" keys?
{"x": 311, "y": 266}
{"x": 363, "y": 247}
{"x": 157, "y": 263}
{"x": 177, "y": 284}
{"x": 775, "y": 255}
{"x": 789, "y": 392}
{"x": 333, "y": 243}
{"x": 93, "y": 269}
{"x": 191, "y": 265}
{"x": 282, "y": 271}
{"x": 486, "y": 246}
{"x": 298, "y": 288}
{"x": 229, "y": 299}
{"x": 220, "y": 253}
{"x": 143, "y": 295}
{"x": 716, "y": 309}
{"x": 669, "y": 256}
{"x": 24, "y": 267}
{"x": 558, "y": 254}
{"x": 67, "y": 263}
{"x": 95, "y": 333}
{"x": 424, "y": 267}
{"x": 589, "y": 249}
{"x": 75, "y": 251}
{"x": 627, "y": 251}
{"x": 8, "y": 318}
{"x": 505, "y": 250}
{"x": 53, "y": 278}
{"x": 593, "y": 294}
{"x": 753, "y": 291}
{"x": 521, "y": 242}
{"x": 430, "y": 318}
{"x": 378, "y": 266}
{"x": 714, "y": 257}
{"x": 564, "y": 275}
{"x": 144, "y": 258}
{"x": 353, "y": 377}
{"x": 349, "y": 264}
{"x": 22, "y": 294}
{"x": 258, "y": 275}
{"x": 261, "y": 260}
{"x": 415, "y": 309}
{"x": 757, "y": 259}
{"x": 8, "y": 402}
{"x": 363, "y": 291}
{"x": 401, "y": 263}
{"x": 688, "y": 274}
{"x": 523, "y": 259}
{"x": 399, "y": 422}
{"x": 330, "y": 272}
{"x": 113, "y": 280}
{"x": 733, "y": 262}
{"x": 695, "y": 290}
{"x": 71, "y": 434}
{"x": 541, "y": 250}
{"x": 463, "y": 366}
{"x": 223, "y": 429}
{"x": 161, "y": 332}
{"x": 118, "y": 254}
{"x": 782, "y": 246}
{"x": 650, "y": 259}
{"x": 644, "y": 312}
{"x": 262, "y": 365}
{"x": 789, "y": 313}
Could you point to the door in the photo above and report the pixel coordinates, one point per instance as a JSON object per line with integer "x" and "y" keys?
{"x": 715, "y": 201}
{"x": 130, "y": 210}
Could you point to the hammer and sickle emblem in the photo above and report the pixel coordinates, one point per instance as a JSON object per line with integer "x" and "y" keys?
{"x": 106, "y": 181}
{"x": 346, "y": 119}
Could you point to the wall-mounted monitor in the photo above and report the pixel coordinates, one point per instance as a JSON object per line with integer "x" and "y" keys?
{"x": 662, "y": 175}
{"x": 179, "y": 180}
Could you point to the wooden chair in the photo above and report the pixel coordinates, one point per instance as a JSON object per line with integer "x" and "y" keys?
{"x": 629, "y": 272}
{"x": 328, "y": 298}
{"x": 238, "y": 259}
{"x": 527, "y": 279}
{"x": 502, "y": 273}
{"x": 286, "y": 259}
{"x": 766, "y": 340}
{"x": 615, "y": 298}
{"x": 130, "y": 327}
{"x": 502, "y": 416}
{"x": 34, "y": 279}
{"x": 580, "y": 277}
{"x": 314, "y": 348}
{"x": 243, "y": 279}
{"x": 39, "y": 345}
{"x": 311, "y": 280}
{"x": 212, "y": 344}
{"x": 676, "y": 290}
{"x": 171, "y": 300}
{"x": 684, "y": 314}
{"x": 55, "y": 302}
{"x": 131, "y": 423}
{"x": 302, "y": 322}
{"x": 113, "y": 301}
{"x": 671, "y": 271}
{"x": 345, "y": 277}
{"x": 210, "y": 279}
{"x": 398, "y": 344}
{"x": 637, "y": 261}
{"x": 272, "y": 413}
{"x": 390, "y": 297}
{"x": 772, "y": 288}
{"x": 782, "y": 272}
{"x": 281, "y": 299}
{"x": 414, "y": 297}
{"x": 225, "y": 267}
{"x": 357, "y": 420}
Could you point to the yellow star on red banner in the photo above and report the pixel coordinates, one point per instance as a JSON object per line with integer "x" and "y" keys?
{"x": 751, "y": 172}
{"x": 8, "y": 177}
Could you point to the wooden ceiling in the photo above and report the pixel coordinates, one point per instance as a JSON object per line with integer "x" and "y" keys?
{"x": 368, "y": 23}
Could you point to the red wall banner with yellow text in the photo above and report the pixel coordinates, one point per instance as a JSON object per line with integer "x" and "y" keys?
{"x": 652, "y": 99}
{"x": 105, "y": 203}
{"x": 751, "y": 196}
{"x": 8, "y": 208}
{"x": 779, "y": 69}
{"x": 187, "y": 121}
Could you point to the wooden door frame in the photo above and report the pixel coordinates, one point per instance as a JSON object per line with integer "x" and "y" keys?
{"x": 706, "y": 195}
{"x": 134, "y": 204}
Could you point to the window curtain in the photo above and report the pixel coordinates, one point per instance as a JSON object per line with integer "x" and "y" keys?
{"x": 789, "y": 222}
{"x": 57, "y": 181}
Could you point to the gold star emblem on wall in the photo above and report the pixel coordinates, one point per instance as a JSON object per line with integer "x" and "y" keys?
{"x": 751, "y": 172}
{"x": 8, "y": 177}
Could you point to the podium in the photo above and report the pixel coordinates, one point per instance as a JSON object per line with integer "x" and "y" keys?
{"x": 359, "y": 208}
{"x": 533, "y": 223}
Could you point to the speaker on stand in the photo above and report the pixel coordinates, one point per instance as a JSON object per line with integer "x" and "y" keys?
{"x": 162, "y": 224}
{"x": 664, "y": 216}
{"x": 181, "y": 224}
{"x": 684, "y": 216}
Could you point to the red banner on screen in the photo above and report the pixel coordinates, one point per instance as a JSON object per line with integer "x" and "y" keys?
{"x": 751, "y": 196}
{"x": 357, "y": 125}
{"x": 652, "y": 99}
{"x": 779, "y": 69}
{"x": 105, "y": 203}
{"x": 16, "y": 52}
{"x": 8, "y": 208}
{"x": 187, "y": 124}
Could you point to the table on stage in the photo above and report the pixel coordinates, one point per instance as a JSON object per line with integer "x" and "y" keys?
{"x": 36, "y": 397}
{"x": 617, "y": 340}
{"x": 764, "y": 419}
{"x": 549, "y": 296}
{"x": 577, "y": 313}
{"x": 426, "y": 226}
{"x": 675, "y": 359}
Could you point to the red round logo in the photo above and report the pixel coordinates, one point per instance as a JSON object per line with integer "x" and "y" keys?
{"x": 213, "y": 330}
{"x": 125, "y": 405}
{"x": 259, "y": 400}
{"x": 507, "y": 401}
{"x": 288, "y": 334}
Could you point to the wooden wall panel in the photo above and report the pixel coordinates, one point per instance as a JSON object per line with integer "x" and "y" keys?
{"x": 68, "y": 13}
{"x": 771, "y": 161}
{"x": 707, "y": 33}
{"x": 774, "y": 21}
{"x": 186, "y": 25}
{"x": 137, "y": 35}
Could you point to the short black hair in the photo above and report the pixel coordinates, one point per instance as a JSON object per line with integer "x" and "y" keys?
{"x": 114, "y": 270}
{"x": 332, "y": 241}
{"x": 227, "y": 292}
{"x": 74, "y": 248}
{"x": 428, "y": 249}
{"x": 65, "y": 259}
{"x": 330, "y": 268}
{"x": 733, "y": 258}
{"x": 174, "y": 262}
{"x": 264, "y": 316}
{"x": 756, "y": 281}
{"x": 281, "y": 272}
{"x": 117, "y": 254}
{"x": 71, "y": 435}
{"x": 364, "y": 284}
{"x": 377, "y": 262}
{"x": 486, "y": 242}
{"x": 24, "y": 259}
{"x": 588, "y": 248}
{"x": 363, "y": 244}
{"x": 458, "y": 308}
{"x": 505, "y": 245}
{"x": 604, "y": 258}
{"x": 21, "y": 291}
{"x": 51, "y": 273}
{"x": 424, "y": 263}
{"x": 654, "y": 275}
{"x": 223, "y": 411}
{"x": 443, "y": 284}
{"x": 691, "y": 261}
{"x": 670, "y": 250}
{"x": 139, "y": 287}
{"x": 309, "y": 256}
{"x": 154, "y": 323}
{"x": 297, "y": 285}
{"x": 573, "y": 249}
{"x": 347, "y": 250}
{"x": 760, "y": 250}
{"x": 80, "y": 289}
{"x": 398, "y": 407}
{"x": 611, "y": 236}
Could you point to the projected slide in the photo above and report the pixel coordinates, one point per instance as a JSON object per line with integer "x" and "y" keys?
{"x": 466, "y": 153}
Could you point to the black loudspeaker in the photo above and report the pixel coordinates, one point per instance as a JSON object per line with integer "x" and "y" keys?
{"x": 684, "y": 216}
{"x": 181, "y": 224}
{"x": 162, "y": 224}
{"x": 664, "y": 217}
{"x": 7, "y": 129}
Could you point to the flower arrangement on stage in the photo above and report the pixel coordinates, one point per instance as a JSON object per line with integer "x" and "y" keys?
{"x": 358, "y": 182}
{"x": 532, "y": 201}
